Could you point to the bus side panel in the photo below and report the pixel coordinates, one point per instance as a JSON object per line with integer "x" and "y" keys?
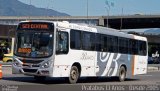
{"x": 108, "y": 64}
{"x": 140, "y": 65}
{"x": 140, "y": 62}
{"x": 64, "y": 62}
{"x": 61, "y": 66}
{"x": 88, "y": 60}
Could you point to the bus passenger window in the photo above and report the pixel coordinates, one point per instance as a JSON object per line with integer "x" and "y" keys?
{"x": 62, "y": 42}
{"x": 75, "y": 39}
{"x": 142, "y": 48}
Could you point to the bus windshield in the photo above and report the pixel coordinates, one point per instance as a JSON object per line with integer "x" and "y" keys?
{"x": 34, "y": 44}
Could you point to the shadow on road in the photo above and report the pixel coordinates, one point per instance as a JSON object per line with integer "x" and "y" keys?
{"x": 48, "y": 80}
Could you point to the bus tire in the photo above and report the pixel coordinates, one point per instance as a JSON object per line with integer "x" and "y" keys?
{"x": 39, "y": 78}
{"x": 74, "y": 75}
{"x": 122, "y": 74}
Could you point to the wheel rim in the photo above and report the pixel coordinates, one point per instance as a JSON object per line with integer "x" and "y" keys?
{"x": 122, "y": 75}
{"x": 73, "y": 74}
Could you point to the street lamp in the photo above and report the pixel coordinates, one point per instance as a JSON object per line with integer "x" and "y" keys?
{"x": 108, "y": 9}
{"x": 108, "y": 5}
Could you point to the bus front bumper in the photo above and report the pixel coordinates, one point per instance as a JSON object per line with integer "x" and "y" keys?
{"x": 32, "y": 71}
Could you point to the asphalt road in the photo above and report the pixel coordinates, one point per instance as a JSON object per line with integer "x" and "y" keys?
{"x": 19, "y": 81}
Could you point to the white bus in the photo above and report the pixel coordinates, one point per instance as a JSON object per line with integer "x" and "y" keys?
{"x": 63, "y": 49}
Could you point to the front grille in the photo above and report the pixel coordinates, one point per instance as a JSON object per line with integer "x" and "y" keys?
{"x": 31, "y": 61}
{"x": 31, "y": 65}
{"x": 30, "y": 70}
{"x": 35, "y": 65}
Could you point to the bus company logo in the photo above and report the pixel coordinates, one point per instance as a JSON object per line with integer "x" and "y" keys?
{"x": 85, "y": 56}
{"x": 35, "y": 26}
{"x": 107, "y": 60}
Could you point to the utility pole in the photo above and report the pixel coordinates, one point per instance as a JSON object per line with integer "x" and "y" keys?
{"x": 108, "y": 6}
{"x": 87, "y": 12}
{"x": 108, "y": 9}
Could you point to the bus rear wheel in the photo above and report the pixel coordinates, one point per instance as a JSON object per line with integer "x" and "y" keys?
{"x": 74, "y": 75}
{"x": 122, "y": 74}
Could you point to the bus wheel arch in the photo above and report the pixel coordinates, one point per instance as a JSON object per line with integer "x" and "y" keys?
{"x": 124, "y": 66}
{"x": 122, "y": 73}
{"x": 78, "y": 66}
{"x": 74, "y": 73}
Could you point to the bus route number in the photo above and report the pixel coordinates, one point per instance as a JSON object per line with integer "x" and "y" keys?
{"x": 24, "y": 50}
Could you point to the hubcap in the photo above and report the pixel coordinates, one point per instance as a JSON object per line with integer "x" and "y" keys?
{"x": 73, "y": 75}
{"x": 122, "y": 74}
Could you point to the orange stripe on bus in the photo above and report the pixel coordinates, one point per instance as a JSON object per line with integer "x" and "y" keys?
{"x": 133, "y": 61}
{"x": 133, "y": 64}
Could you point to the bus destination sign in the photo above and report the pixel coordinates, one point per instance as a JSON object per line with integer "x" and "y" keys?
{"x": 35, "y": 26}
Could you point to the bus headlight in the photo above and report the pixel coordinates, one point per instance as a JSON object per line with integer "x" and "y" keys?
{"x": 17, "y": 64}
{"x": 45, "y": 65}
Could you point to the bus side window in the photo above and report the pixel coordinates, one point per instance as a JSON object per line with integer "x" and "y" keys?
{"x": 62, "y": 43}
{"x": 142, "y": 48}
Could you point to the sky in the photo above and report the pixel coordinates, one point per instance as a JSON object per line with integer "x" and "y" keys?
{"x": 100, "y": 7}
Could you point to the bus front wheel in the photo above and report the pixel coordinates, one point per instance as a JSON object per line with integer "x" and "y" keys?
{"x": 122, "y": 73}
{"x": 74, "y": 75}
